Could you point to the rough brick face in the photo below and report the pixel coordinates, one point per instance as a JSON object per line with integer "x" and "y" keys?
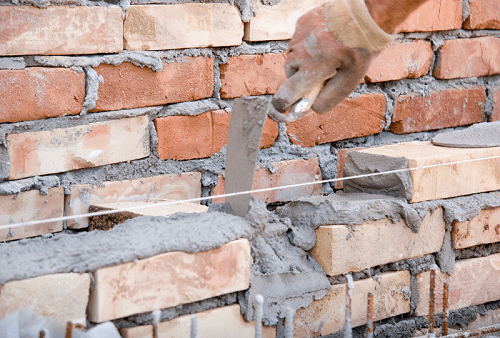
{"x": 442, "y": 109}
{"x": 434, "y": 15}
{"x": 156, "y": 27}
{"x": 37, "y": 93}
{"x": 252, "y": 75}
{"x": 495, "y": 114}
{"x": 129, "y": 86}
{"x": 60, "y": 30}
{"x": 484, "y": 14}
{"x": 481, "y": 229}
{"x": 468, "y": 57}
{"x": 169, "y": 280}
{"x": 361, "y": 116}
{"x": 406, "y": 60}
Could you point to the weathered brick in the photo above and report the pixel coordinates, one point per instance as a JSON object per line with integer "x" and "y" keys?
{"x": 60, "y": 30}
{"x": 406, "y": 60}
{"x": 154, "y": 27}
{"x": 442, "y": 109}
{"x": 360, "y": 116}
{"x": 174, "y": 187}
{"x": 252, "y": 75}
{"x": 341, "y": 158}
{"x": 434, "y": 15}
{"x": 31, "y": 206}
{"x": 169, "y": 280}
{"x": 277, "y": 22}
{"x": 214, "y": 323}
{"x": 484, "y": 228}
{"x": 286, "y": 173}
{"x": 473, "y": 281}
{"x": 85, "y": 146}
{"x": 61, "y": 297}
{"x": 443, "y": 181}
{"x": 326, "y": 316}
{"x": 340, "y": 250}
{"x": 177, "y": 141}
{"x": 491, "y": 317}
{"x": 495, "y": 114}
{"x": 484, "y": 14}
{"x": 129, "y": 86}
{"x": 37, "y": 93}
{"x": 468, "y": 58}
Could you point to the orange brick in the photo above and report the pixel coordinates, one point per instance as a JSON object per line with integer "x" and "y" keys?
{"x": 38, "y": 93}
{"x": 400, "y": 60}
{"x": 177, "y": 141}
{"x": 169, "y": 280}
{"x": 287, "y": 173}
{"x": 468, "y": 57}
{"x": 484, "y": 14}
{"x": 252, "y": 75}
{"x": 361, "y": 116}
{"x": 484, "y": 228}
{"x": 129, "y": 86}
{"x": 442, "y": 109}
{"x": 341, "y": 157}
{"x": 60, "y": 30}
{"x": 495, "y": 115}
{"x": 434, "y": 15}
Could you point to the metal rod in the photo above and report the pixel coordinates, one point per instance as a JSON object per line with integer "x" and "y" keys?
{"x": 476, "y": 332}
{"x": 258, "y": 315}
{"x": 289, "y": 314}
{"x": 369, "y": 321}
{"x": 194, "y": 326}
{"x": 69, "y": 330}
{"x": 348, "y": 299}
{"x": 431, "y": 303}
{"x": 446, "y": 306}
{"x": 156, "y": 314}
{"x": 43, "y": 334}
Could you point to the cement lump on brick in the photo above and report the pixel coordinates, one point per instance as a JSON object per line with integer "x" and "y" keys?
{"x": 480, "y": 135}
{"x": 92, "y": 80}
{"x": 12, "y": 63}
{"x": 42, "y": 183}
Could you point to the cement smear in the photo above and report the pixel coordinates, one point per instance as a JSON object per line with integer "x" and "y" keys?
{"x": 91, "y": 89}
{"x": 12, "y": 63}
{"x": 481, "y": 135}
{"x": 42, "y": 183}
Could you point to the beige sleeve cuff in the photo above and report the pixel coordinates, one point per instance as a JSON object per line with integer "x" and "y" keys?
{"x": 351, "y": 23}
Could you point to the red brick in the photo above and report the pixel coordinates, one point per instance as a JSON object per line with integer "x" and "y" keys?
{"x": 400, "y": 60}
{"x": 178, "y": 141}
{"x": 287, "y": 173}
{"x": 252, "y": 75}
{"x": 129, "y": 86}
{"x": 341, "y": 158}
{"x": 442, "y": 109}
{"x": 361, "y": 116}
{"x": 468, "y": 57}
{"x": 495, "y": 115}
{"x": 38, "y": 93}
{"x": 434, "y": 15}
{"x": 484, "y": 14}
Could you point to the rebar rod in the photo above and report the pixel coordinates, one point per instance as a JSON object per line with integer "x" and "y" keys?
{"x": 475, "y": 332}
{"x": 69, "y": 330}
{"x": 156, "y": 314}
{"x": 258, "y": 315}
{"x": 289, "y": 322}
{"x": 432, "y": 288}
{"x": 194, "y": 326}
{"x": 369, "y": 321}
{"x": 348, "y": 300}
{"x": 446, "y": 305}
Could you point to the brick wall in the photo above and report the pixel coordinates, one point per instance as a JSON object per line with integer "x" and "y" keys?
{"x": 130, "y": 101}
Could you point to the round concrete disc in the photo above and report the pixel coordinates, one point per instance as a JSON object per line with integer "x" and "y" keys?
{"x": 481, "y": 135}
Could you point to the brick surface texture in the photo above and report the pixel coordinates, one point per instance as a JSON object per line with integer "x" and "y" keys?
{"x": 169, "y": 280}
{"x": 60, "y": 30}
{"x": 85, "y": 146}
{"x": 473, "y": 281}
{"x": 406, "y": 60}
{"x": 189, "y": 137}
{"x": 441, "y": 109}
{"x": 468, "y": 57}
{"x": 495, "y": 114}
{"x": 156, "y": 27}
{"x": 60, "y": 297}
{"x": 173, "y": 187}
{"x": 484, "y": 14}
{"x": 129, "y": 86}
{"x": 38, "y": 93}
{"x": 252, "y": 75}
{"x": 361, "y": 116}
{"x": 326, "y": 316}
{"x": 481, "y": 229}
{"x": 434, "y": 15}
{"x": 338, "y": 248}
{"x": 31, "y": 206}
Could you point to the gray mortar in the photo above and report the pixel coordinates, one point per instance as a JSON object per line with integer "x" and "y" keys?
{"x": 12, "y": 63}
{"x": 92, "y": 80}
{"x": 480, "y": 135}
{"x": 446, "y": 257}
{"x": 477, "y": 251}
{"x": 465, "y": 9}
{"x": 42, "y": 183}
{"x": 192, "y": 108}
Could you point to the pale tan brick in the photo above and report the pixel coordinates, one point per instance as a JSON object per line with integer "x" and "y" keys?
{"x": 60, "y": 30}
{"x": 481, "y": 229}
{"x": 326, "y": 316}
{"x": 61, "y": 297}
{"x": 86, "y": 146}
{"x": 446, "y": 180}
{"x": 174, "y": 187}
{"x": 154, "y": 27}
{"x": 169, "y": 280}
{"x": 473, "y": 281}
{"x": 376, "y": 243}
{"x": 277, "y": 22}
{"x": 31, "y": 206}
{"x": 221, "y": 322}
